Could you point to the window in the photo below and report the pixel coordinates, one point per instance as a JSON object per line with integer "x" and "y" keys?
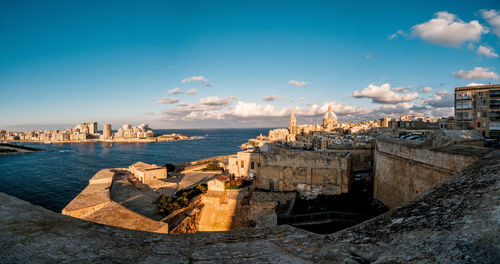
{"x": 478, "y": 124}
{"x": 242, "y": 164}
{"x": 484, "y": 114}
{"x": 484, "y": 124}
{"x": 478, "y": 114}
{"x": 251, "y": 165}
{"x": 236, "y": 163}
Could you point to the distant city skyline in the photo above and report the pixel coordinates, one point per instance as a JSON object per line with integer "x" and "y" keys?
{"x": 217, "y": 64}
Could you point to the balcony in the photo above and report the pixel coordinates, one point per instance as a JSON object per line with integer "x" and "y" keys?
{"x": 495, "y": 94}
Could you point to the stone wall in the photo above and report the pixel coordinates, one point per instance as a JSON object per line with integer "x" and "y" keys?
{"x": 309, "y": 172}
{"x": 225, "y": 210}
{"x": 406, "y": 169}
{"x": 362, "y": 158}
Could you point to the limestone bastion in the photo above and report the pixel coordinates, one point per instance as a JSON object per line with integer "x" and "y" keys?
{"x": 455, "y": 222}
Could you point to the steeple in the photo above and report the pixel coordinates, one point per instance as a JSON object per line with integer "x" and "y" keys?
{"x": 329, "y": 108}
{"x": 293, "y": 120}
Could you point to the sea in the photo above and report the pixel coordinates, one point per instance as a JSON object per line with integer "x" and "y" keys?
{"x": 52, "y": 178}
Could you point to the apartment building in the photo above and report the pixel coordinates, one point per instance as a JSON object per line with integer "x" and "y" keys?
{"x": 478, "y": 108}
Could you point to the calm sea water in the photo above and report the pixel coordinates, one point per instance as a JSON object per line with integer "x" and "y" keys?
{"x": 52, "y": 179}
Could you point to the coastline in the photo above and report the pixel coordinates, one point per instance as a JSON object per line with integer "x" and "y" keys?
{"x": 11, "y": 149}
{"x": 146, "y": 140}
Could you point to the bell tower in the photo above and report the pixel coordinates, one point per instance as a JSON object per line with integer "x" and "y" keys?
{"x": 293, "y": 123}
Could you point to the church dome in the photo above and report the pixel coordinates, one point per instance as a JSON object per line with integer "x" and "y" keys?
{"x": 330, "y": 115}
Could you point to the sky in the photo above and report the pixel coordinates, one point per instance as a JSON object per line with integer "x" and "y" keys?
{"x": 238, "y": 64}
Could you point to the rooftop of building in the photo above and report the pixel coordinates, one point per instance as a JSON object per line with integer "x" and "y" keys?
{"x": 476, "y": 87}
{"x": 142, "y": 166}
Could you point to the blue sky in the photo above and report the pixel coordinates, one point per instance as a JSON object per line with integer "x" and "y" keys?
{"x": 65, "y": 62}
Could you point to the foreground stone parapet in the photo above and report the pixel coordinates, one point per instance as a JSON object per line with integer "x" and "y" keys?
{"x": 455, "y": 222}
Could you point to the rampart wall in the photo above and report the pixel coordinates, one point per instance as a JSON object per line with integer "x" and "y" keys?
{"x": 362, "y": 158}
{"x": 405, "y": 169}
{"x": 309, "y": 172}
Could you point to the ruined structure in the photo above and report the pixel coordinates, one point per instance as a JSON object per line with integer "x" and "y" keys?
{"x": 308, "y": 172}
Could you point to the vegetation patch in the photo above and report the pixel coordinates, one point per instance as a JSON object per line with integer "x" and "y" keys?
{"x": 212, "y": 167}
{"x": 181, "y": 199}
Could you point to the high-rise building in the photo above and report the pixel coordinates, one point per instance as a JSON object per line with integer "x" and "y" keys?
{"x": 106, "y": 132}
{"x": 478, "y": 107}
{"x": 92, "y": 128}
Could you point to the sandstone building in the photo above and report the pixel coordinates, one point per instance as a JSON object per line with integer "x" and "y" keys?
{"x": 147, "y": 173}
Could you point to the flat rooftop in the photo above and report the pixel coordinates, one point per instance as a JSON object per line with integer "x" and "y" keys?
{"x": 476, "y": 87}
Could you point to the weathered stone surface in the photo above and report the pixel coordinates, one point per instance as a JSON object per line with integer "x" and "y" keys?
{"x": 405, "y": 169}
{"x": 455, "y": 222}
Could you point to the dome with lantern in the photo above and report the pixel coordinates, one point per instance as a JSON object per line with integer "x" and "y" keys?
{"x": 329, "y": 119}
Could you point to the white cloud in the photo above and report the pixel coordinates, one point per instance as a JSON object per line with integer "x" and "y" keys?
{"x": 438, "y": 101}
{"x": 426, "y": 89}
{"x": 243, "y": 109}
{"x": 192, "y": 91}
{"x": 298, "y": 83}
{"x": 486, "y": 51}
{"x": 195, "y": 79}
{"x": 384, "y": 95}
{"x": 175, "y": 91}
{"x": 443, "y": 92}
{"x": 369, "y": 55}
{"x": 166, "y": 100}
{"x": 398, "y": 33}
{"x": 479, "y": 73}
{"x": 217, "y": 101}
{"x": 269, "y": 98}
{"x": 206, "y": 109}
{"x": 493, "y": 18}
{"x": 402, "y": 89}
{"x": 474, "y": 84}
{"x": 447, "y": 29}
{"x": 244, "y": 112}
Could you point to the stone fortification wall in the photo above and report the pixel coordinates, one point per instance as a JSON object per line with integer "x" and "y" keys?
{"x": 309, "y": 172}
{"x": 362, "y": 158}
{"x": 195, "y": 164}
{"x": 405, "y": 169}
{"x": 94, "y": 197}
{"x": 455, "y": 222}
{"x": 94, "y": 204}
{"x": 225, "y": 210}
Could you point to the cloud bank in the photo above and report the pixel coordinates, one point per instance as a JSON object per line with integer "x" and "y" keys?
{"x": 447, "y": 29}
{"x": 384, "y": 95}
{"x": 479, "y": 73}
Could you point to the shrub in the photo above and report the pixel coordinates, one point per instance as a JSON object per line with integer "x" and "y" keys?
{"x": 181, "y": 199}
{"x": 212, "y": 167}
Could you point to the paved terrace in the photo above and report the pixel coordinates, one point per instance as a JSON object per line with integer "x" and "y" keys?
{"x": 94, "y": 204}
{"x": 455, "y": 222}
